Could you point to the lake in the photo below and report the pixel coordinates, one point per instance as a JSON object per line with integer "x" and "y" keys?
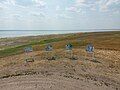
{"x": 19, "y": 33}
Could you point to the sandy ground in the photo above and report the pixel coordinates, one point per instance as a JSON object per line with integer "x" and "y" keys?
{"x": 62, "y": 73}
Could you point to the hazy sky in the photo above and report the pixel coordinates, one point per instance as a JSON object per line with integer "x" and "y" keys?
{"x": 59, "y": 14}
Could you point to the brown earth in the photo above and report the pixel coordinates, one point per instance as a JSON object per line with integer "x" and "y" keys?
{"x": 63, "y": 73}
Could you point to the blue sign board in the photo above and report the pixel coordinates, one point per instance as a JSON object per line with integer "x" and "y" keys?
{"x": 28, "y": 49}
{"x": 48, "y": 48}
{"x": 69, "y": 47}
{"x": 89, "y": 48}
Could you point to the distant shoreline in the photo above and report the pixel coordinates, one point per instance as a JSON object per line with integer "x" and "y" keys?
{"x": 61, "y": 30}
{"x": 27, "y": 33}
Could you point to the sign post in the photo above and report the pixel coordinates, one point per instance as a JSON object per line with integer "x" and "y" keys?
{"x": 90, "y": 51}
{"x": 69, "y": 51}
{"x": 48, "y": 51}
{"x": 28, "y": 58}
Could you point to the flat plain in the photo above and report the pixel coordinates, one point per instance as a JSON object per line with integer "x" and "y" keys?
{"x": 64, "y": 72}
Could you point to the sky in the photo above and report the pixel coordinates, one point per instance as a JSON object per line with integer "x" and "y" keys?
{"x": 59, "y": 14}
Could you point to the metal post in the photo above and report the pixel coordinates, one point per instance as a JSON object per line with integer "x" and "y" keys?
{"x": 48, "y": 50}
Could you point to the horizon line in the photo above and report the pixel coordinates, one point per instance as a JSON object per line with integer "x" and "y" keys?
{"x": 56, "y": 29}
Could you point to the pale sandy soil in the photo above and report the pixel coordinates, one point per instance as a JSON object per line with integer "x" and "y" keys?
{"x": 62, "y": 73}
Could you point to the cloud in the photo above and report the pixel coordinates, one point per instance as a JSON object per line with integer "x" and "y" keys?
{"x": 1, "y": 6}
{"x": 93, "y": 8}
{"x": 64, "y": 16}
{"x": 13, "y": 2}
{"x": 80, "y": 6}
{"x": 117, "y": 12}
{"x": 93, "y": 5}
{"x": 104, "y": 5}
{"x": 38, "y": 14}
{"x": 10, "y": 2}
{"x": 57, "y": 8}
{"x": 80, "y": 1}
{"x": 40, "y": 3}
{"x": 110, "y": 2}
{"x": 7, "y": 4}
{"x": 72, "y": 9}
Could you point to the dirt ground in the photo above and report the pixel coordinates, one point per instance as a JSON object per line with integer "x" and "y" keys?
{"x": 63, "y": 73}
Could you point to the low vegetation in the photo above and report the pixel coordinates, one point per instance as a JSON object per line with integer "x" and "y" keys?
{"x": 101, "y": 40}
